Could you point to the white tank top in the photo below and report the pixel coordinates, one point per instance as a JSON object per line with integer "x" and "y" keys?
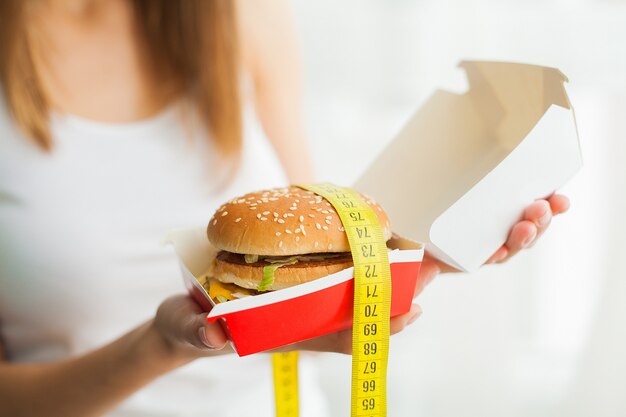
{"x": 81, "y": 259}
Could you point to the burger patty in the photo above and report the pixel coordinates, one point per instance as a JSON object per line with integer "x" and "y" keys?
{"x": 333, "y": 258}
{"x": 232, "y": 268}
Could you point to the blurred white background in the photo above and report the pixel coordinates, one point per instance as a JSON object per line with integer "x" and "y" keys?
{"x": 545, "y": 334}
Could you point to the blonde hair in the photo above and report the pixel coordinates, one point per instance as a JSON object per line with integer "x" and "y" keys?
{"x": 196, "y": 40}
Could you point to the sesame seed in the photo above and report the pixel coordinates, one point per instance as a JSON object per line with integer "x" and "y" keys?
{"x": 330, "y": 246}
{"x": 297, "y": 230}
{"x": 317, "y": 244}
{"x": 278, "y": 233}
{"x": 265, "y": 213}
{"x": 238, "y": 219}
{"x": 252, "y": 208}
{"x": 328, "y": 204}
{"x": 325, "y": 212}
{"x": 263, "y": 218}
{"x": 285, "y": 215}
{"x": 288, "y": 231}
{"x": 297, "y": 201}
{"x": 312, "y": 215}
{"x": 297, "y": 238}
{"x": 275, "y": 214}
{"x": 319, "y": 226}
{"x": 280, "y": 244}
{"x": 325, "y": 227}
{"x": 290, "y": 214}
{"x": 224, "y": 213}
{"x": 258, "y": 216}
{"x": 329, "y": 217}
{"x": 281, "y": 221}
{"x": 301, "y": 219}
{"x": 312, "y": 202}
{"x": 259, "y": 201}
{"x": 293, "y": 208}
{"x": 214, "y": 222}
{"x": 341, "y": 229}
{"x": 327, "y": 221}
{"x": 303, "y": 231}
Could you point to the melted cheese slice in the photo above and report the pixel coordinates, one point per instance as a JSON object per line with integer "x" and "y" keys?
{"x": 221, "y": 292}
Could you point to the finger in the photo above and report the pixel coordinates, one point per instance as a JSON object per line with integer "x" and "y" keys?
{"x": 428, "y": 271}
{"x": 338, "y": 342}
{"x": 540, "y": 213}
{"x": 211, "y": 335}
{"x": 499, "y": 255}
{"x": 185, "y": 323}
{"x": 400, "y": 322}
{"x": 341, "y": 342}
{"x": 522, "y": 235}
{"x": 558, "y": 203}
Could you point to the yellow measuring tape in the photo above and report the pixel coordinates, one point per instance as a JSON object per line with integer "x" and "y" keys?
{"x": 285, "y": 367}
{"x": 372, "y": 304}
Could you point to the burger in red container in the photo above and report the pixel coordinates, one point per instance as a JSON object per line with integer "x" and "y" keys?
{"x": 279, "y": 268}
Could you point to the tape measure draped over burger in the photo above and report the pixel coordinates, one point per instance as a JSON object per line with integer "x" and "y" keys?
{"x": 277, "y": 238}
{"x": 274, "y": 239}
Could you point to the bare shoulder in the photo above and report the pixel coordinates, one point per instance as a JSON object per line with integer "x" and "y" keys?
{"x": 266, "y": 31}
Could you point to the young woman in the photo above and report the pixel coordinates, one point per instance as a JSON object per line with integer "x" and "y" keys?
{"x": 119, "y": 120}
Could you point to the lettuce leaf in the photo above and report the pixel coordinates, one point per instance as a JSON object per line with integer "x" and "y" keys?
{"x": 268, "y": 274}
{"x": 250, "y": 259}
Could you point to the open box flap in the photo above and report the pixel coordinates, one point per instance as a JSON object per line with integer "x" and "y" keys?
{"x": 486, "y": 226}
{"x": 455, "y": 141}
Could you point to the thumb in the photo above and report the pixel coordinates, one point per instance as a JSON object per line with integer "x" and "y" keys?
{"x": 183, "y": 323}
{"x": 202, "y": 334}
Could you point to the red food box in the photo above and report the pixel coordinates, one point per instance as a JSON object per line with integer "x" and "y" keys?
{"x": 277, "y": 318}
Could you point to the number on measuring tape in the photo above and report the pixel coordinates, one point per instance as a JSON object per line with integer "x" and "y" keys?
{"x": 372, "y": 298}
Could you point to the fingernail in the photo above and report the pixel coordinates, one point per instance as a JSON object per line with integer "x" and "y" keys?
{"x": 545, "y": 219}
{"x": 414, "y": 317}
{"x": 503, "y": 254}
{"x": 436, "y": 271}
{"x": 530, "y": 240}
{"x": 204, "y": 339}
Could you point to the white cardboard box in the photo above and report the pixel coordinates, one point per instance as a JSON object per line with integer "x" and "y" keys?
{"x": 481, "y": 157}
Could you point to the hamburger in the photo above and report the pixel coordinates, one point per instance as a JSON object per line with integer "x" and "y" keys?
{"x": 273, "y": 239}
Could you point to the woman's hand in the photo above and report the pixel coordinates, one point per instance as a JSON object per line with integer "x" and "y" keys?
{"x": 523, "y": 234}
{"x": 184, "y": 328}
{"x": 341, "y": 342}
{"x": 187, "y": 334}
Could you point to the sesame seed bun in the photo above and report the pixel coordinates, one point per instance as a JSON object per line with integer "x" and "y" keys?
{"x": 282, "y": 221}
{"x": 231, "y": 268}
